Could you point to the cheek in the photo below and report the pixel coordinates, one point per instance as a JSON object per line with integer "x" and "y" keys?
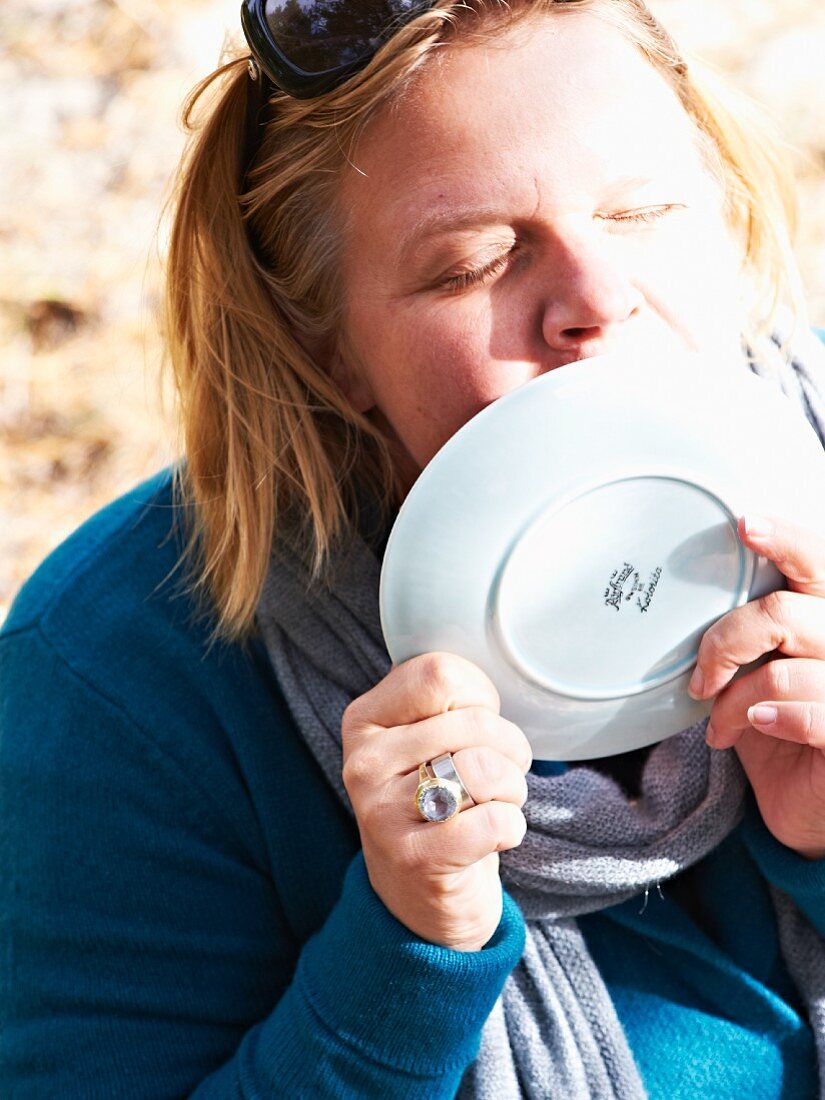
{"x": 435, "y": 366}
{"x": 696, "y": 282}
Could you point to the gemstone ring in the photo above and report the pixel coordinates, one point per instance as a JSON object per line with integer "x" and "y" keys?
{"x": 441, "y": 794}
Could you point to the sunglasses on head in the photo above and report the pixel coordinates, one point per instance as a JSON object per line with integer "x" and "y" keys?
{"x": 308, "y": 47}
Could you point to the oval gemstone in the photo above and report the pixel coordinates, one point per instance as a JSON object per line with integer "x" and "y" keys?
{"x": 437, "y": 803}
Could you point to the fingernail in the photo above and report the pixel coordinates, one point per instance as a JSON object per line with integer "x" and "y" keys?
{"x": 762, "y": 715}
{"x": 697, "y": 684}
{"x": 757, "y": 527}
{"x": 710, "y": 736}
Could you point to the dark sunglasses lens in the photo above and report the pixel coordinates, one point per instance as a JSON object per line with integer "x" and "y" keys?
{"x": 324, "y": 34}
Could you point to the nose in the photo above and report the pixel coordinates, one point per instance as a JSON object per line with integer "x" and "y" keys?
{"x": 589, "y": 300}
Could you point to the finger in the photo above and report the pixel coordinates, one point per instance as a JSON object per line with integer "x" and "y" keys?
{"x": 449, "y": 846}
{"x": 798, "y": 552}
{"x": 472, "y": 727}
{"x": 487, "y": 775}
{"x": 800, "y": 722}
{"x": 379, "y": 756}
{"x": 790, "y": 622}
{"x": 785, "y": 680}
{"x": 431, "y": 684}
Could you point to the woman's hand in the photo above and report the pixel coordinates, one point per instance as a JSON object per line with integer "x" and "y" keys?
{"x": 775, "y": 715}
{"x": 439, "y": 879}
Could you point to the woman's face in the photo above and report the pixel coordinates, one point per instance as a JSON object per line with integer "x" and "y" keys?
{"x": 530, "y": 203}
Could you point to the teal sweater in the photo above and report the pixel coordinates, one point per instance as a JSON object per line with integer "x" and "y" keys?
{"x": 184, "y": 910}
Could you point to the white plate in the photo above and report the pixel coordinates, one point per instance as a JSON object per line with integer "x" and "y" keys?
{"x": 578, "y": 536}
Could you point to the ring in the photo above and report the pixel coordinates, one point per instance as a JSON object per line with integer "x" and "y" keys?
{"x": 441, "y": 794}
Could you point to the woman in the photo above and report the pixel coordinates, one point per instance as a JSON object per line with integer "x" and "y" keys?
{"x": 215, "y": 881}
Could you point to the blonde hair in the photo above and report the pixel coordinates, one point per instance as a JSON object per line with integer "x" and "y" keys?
{"x": 254, "y": 301}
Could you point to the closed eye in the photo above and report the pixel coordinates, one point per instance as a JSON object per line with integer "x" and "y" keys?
{"x": 643, "y": 215}
{"x": 475, "y": 276}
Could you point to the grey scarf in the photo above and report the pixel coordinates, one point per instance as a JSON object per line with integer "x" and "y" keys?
{"x": 554, "y": 1032}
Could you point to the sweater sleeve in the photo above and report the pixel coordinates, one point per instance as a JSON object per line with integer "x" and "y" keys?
{"x": 803, "y": 879}
{"x": 145, "y": 952}
{"x": 378, "y": 1014}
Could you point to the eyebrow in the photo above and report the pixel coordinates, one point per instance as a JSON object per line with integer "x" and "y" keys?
{"x": 453, "y": 219}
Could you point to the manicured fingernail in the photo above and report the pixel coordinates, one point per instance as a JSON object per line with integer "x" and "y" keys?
{"x": 697, "y": 684}
{"x": 710, "y": 735}
{"x": 757, "y": 527}
{"x": 762, "y": 715}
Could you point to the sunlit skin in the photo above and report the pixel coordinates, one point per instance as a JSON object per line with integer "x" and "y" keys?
{"x": 784, "y": 757}
{"x": 536, "y": 202}
{"x": 528, "y": 205}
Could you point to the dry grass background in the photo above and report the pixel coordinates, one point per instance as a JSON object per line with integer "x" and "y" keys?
{"x": 89, "y": 98}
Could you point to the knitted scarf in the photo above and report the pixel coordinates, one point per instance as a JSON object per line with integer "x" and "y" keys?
{"x": 554, "y": 1032}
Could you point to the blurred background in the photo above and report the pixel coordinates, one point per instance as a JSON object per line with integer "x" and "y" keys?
{"x": 90, "y": 93}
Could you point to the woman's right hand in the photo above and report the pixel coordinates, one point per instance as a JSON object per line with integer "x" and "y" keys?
{"x": 440, "y": 879}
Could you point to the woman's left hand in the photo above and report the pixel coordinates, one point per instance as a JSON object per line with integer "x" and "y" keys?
{"x": 775, "y": 715}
